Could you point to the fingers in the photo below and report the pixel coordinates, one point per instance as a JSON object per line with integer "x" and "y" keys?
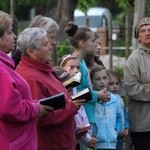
{"x": 79, "y": 102}
{"x": 44, "y": 110}
{"x": 48, "y": 108}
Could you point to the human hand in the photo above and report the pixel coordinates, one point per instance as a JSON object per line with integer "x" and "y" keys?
{"x": 125, "y": 132}
{"x": 79, "y": 102}
{"x": 44, "y": 110}
{"x": 92, "y": 142}
{"x": 104, "y": 95}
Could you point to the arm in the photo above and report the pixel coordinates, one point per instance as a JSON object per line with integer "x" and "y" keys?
{"x": 137, "y": 78}
{"x": 15, "y": 101}
{"x": 126, "y": 125}
{"x": 118, "y": 117}
{"x": 40, "y": 89}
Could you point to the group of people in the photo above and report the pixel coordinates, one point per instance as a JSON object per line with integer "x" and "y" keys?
{"x": 26, "y": 124}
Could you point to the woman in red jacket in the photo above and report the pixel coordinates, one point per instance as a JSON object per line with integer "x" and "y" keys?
{"x": 56, "y": 130}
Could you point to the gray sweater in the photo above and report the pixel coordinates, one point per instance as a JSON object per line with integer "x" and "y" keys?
{"x": 137, "y": 86}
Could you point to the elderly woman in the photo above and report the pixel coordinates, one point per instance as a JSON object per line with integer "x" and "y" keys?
{"x": 46, "y": 23}
{"x": 56, "y": 130}
{"x": 137, "y": 85}
{"x": 18, "y": 111}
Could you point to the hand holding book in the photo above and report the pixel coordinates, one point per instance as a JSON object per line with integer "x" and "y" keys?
{"x": 84, "y": 94}
{"x": 57, "y": 101}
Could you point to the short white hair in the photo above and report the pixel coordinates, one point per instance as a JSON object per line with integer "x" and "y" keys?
{"x": 46, "y": 23}
{"x": 30, "y": 38}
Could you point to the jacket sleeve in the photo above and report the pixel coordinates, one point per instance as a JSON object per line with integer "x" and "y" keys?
{"x": 12, "y": 106}
{"x": 126, "y": 124}
{"x": 135, "y": 88}
{"x": 118, "y": 117}
{"x": 57, "y": 117}
{"x": 86, "y": 83}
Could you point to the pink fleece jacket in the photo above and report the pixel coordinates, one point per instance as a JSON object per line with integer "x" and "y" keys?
{"x": 17, "y": 110}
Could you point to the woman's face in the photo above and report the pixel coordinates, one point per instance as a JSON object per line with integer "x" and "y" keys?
{"x": 89, "y": 44}
{"x": 144, "y": 35}
{"x": 72, "y": 66}
{"x": 7, "y": 42}
{"x": 97, "y": 49}
{"x": 52, "y": 38}
{"x": 43, "y": 52}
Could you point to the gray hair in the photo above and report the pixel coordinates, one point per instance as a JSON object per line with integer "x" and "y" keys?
{"x": 45, "y": 23}
{"x": 30, "y": 38}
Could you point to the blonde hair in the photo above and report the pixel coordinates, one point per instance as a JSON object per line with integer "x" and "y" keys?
{"x": 5, "y": 21}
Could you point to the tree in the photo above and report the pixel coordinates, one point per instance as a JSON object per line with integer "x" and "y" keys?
{"x": 139, "y": 12}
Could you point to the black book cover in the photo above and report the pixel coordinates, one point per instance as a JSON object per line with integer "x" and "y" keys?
{"x": 56, "y": 101}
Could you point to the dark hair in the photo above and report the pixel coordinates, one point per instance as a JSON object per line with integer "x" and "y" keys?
{"x": 95, "y": 69}
{"x": 90, "y": 63}
{"x": 76, "y": 33}
{"x": 61, "y": 74}
{"x": 114, "y": 74}
{"x": 89, "y": 59}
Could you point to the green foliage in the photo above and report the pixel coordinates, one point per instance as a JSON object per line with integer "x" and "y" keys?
{"x": 4, "y": 5}
{"x": 63, "y": 48}
{"x": 148, "y": 7}
{"x": 126, "y": 5}
{"x": 119, "y": 70}
{"x": 85, "y": 4}
{"x": 32, "y": 2}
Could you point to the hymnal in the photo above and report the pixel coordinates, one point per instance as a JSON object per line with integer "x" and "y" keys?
{"x": 56, "y": 101}
{"x": 73, "y": 81}
{"x": 84, "y": 94}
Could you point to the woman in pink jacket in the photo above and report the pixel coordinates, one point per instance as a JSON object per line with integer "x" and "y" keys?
{"x": 18, "y": 111}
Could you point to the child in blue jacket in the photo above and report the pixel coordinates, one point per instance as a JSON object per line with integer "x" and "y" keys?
{"x": 114, "y": 87}
{"x": 108, "y": 118}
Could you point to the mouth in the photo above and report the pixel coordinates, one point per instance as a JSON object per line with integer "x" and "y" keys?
{"x": 103, "y": 86}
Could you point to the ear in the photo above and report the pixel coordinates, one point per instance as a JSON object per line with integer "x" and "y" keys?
{"x": 30, "y": 52}
{"x": 82, "y": 43}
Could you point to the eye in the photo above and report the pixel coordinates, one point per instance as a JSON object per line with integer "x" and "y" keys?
{"x": 104, "y": 77}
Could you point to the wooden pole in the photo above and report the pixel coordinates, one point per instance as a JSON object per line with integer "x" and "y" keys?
{"x": 139, "y": 12}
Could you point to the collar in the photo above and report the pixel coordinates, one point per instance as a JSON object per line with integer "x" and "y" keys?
{"x": 6, "y": 59}
{"x": 37, "y": 64}
{"x": 143, "y": 49}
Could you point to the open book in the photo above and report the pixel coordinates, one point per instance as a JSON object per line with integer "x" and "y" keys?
{"x": 84, "y": 94}
{"x": 73, "y": 81}
{"x": 57, "y": 101}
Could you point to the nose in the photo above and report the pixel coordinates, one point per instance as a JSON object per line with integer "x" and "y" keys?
{"x": 50, "y": 46}
{"x": 14, "y": 35}
{"x": 76, "y": 70}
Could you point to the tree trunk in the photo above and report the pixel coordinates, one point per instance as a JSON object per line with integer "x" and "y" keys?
{"x": 139, "y": 12}
{"x": 63, "y": 14}
{"x": 127, "y": 35}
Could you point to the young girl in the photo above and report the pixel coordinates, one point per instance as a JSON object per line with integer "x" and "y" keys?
{"x": 114, "y": 87}
{"x": 82, "y": 40}
{"x": 94, "y": 58}
{"x": 108, "y": 121}
{"x": 71, "y": 64}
